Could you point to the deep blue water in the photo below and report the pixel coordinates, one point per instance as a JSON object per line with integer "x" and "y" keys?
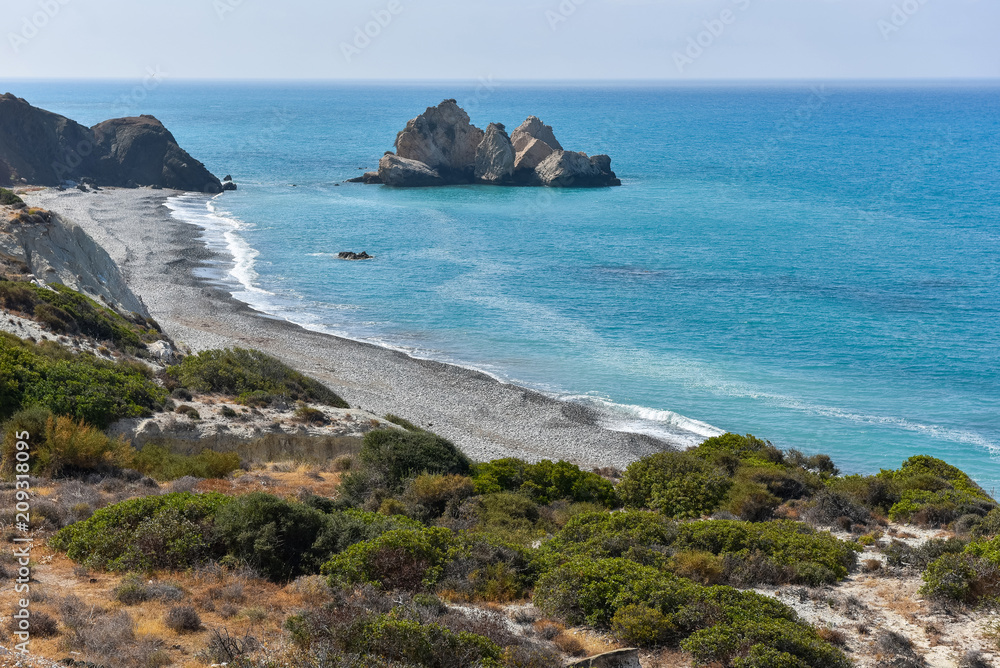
{"x": 815, "y": 265}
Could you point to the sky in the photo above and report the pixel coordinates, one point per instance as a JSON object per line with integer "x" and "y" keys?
{"x": 501, "y": 39}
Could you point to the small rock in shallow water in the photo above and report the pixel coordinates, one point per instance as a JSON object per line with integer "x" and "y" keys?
{"x": 348, "y": 255}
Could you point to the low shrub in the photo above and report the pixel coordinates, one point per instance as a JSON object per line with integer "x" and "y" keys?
{"x": 900, "y": 554}
{"x": 61, "y": 445}
{"x": 430, "y": 645}
{"x": 309, "y": 415}
{"x": 829, "y": 505}
{"x": 816, "y": 557}
{"x": 678, "y": 484}
{"x": 172, "y": 531}
{"x": 641, "y": 536}
{"x": 639, "y": 625}
{"x": 75, "y": 385}
{"x": 544, "y": 482}
{"x": 432, "y": 493}
{"x": 250, "y": 374}
{"x": 409, "y": 559}
{"x": 697, "y": 565}
{"x": 188, "y": 411}
{"x": 758, "y": 642}
{"x": 483, "y": 567}
{"x": 389, "y": 456}
{"x": 8, "y": 198}
{"x": 964, "y": 578}
{"x": 182, "y": 619}
{"x": 934, "y": 493}
{"x": 276, "y": 538}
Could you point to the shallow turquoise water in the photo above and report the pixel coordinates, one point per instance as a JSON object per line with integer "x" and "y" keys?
{"x": 817, "y": 266}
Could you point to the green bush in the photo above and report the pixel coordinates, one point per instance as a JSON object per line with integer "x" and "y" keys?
{"x": 487, "y": 568}
{"x": 964, "y": 578}
{"x": 986, "y": 549}
{"x": 160, "y": 463}
{"x": 273, "y": 536}
{"x": 430, "y": 645}
{"x": 730, "y": 450}
{"x": 250, "y": 374}
{"x": 816, "y": 556}
{"x": 393, "y": 455}
{"x": 591, "y": 591}
{"x": 935, "y": 493}
{"x": 678, "y": 484}
{"x": 641, "y": 536}
{"x": 80, "y": 386}
{"x": 544, "y": 482}
{"x": 989, "y": 526}
{"x": 410, "y": 559}
{"x": 432, "y": 493}
{"x": 755, "y": 641}
{"x": 8, "y": 198}
{"x": 639, "y": 625}
{"x": 170, "y": 531}
{"x": 512, "y": 514}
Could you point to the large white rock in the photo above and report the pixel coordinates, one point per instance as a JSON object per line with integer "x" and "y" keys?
{"x": 442, "y": 138}
{"x": 495, "y": 155}
{"x": 403, "y": 173}
{"x": 531, "y": 154}
{"x": 566, "y": 169}
{"x": 533, "y": 128}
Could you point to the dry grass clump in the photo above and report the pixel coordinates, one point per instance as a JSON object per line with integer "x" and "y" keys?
{"x": 832, "y": 636}
{"x": 182, "y": 619}
{"x": 569, "y": 644}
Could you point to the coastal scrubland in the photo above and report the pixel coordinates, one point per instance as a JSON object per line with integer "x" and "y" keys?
{"x": 402, "y": 551}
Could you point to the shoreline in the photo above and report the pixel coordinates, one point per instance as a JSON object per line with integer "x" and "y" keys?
{"x": 487, "y": 418}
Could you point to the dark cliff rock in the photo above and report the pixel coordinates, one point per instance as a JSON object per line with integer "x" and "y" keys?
{"x": 442, "y": 147}
{"x": 46, "y": 149}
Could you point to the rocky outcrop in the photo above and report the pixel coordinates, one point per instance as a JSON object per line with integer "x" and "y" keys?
{"x": 533, "y": 128}
{"x": 442, "y": 147}
{"x": 566, "y": 169}
{"x": 494, "y": 156}
{"x": 47, "y": 149}
{"x": 442, "y": 138}
{"x": 55, "y": 250}
{"x": 351, "y": 255}
{"x": 620, "y": 658}
{"x": 531, "y": 154}
{"x": 405, "y": 173}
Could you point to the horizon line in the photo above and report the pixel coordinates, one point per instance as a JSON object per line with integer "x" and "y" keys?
{"x": 533, "y": 81}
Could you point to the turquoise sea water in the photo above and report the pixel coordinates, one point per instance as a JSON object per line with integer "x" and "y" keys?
{"x": 817, "y": 265}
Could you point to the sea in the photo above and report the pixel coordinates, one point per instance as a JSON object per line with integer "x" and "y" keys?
{"x": 815, "y": 263}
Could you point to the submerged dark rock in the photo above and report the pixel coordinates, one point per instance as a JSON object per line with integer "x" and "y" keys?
{"x": 349, "y": 255}
{"x": 44, "y": 148}
{"x": 442, "y": 147}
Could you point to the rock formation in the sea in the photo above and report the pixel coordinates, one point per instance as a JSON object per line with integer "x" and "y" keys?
{"x": 442, "y": 147}
{"x": 351, "y": 255}
{"x": 494, "y": 156}
{"x": 43, "y": 148}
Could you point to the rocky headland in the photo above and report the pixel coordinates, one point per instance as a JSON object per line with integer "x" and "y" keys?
{"x": 39, "y": 147}
{"x": 441, "y": 147}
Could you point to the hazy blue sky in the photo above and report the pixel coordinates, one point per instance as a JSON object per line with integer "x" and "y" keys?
{"x": 502, "y": 39}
